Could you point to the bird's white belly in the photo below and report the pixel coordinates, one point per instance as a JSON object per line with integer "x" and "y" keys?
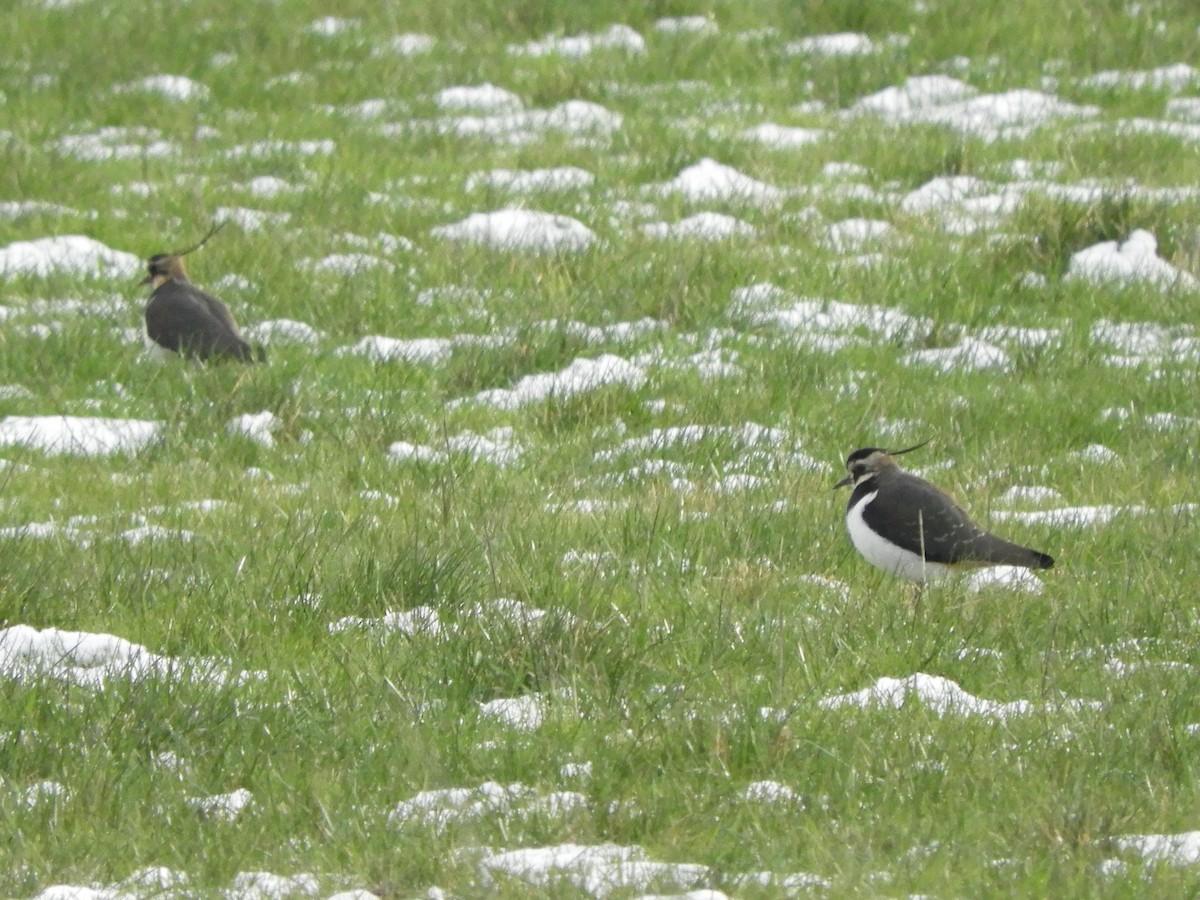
{"x": 887, "y": 556}
{"x": 156, "y": 350}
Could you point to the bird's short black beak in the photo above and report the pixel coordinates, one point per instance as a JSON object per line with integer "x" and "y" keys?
{"x": 149, "y": 279}
{"x": 849, "y": 479}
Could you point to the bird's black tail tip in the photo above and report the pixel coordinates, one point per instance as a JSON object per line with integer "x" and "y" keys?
{"x": 1043, "y": 560}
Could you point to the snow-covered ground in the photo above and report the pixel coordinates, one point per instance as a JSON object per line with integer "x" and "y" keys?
{"x": 724, "y": 204}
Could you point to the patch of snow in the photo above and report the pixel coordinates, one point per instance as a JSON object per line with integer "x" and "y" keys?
{"x": 851, "y": 235}
{"x": 1132, "y": 261}
{"x": 563, "y": 178}
{"x": 524, "y": 713}
{"x": 485, "y": 97}
{"x": 349, "y": 264}
{"x": 266, "y": 149}
{"x": 710, "y": 180}
{"x": 918, "y": 92}
{"x": 686, "y": 25}
{"x": 772, "y": 792}
{"x": 407, "y": 44}
{"x": 91, "y": 660}
{"x": 268, "y": 186}
{"x": 970, "y": 354}
{"x": 423, "y": 620}
{"x": 581, "y": 376}
{"x": 77, "y": 435}
{"x": 15, "y": 209}
{"x": 329, "y": 26}
{"x": 1182, "y": 849}
{"x": 251, "y": 220}
{"x": 223, "y": 807}
{"x": 519, "y": 229}
{"x": 1080, "y": 516}
{"x": 823, "y": 317}
{"x": 173, "y": 87}
{"x": 706, "y": 226}
{"x": 286, "y": 331}
{"x": 1028, "y": 494}
{"x": 841, "y": 44}
{"x": 615, "y": 37}
{"x": 1012, "y": 578}
{"x": 115, "y": 143}
{"x": 941, "y": 695}
{"x": 445, "y": 806}
{"x": 598, "y": 869}
{"x": 990, "y": 117}
{"x": 258, "y": 427}
{"x": 1174, "y": 78}
{"x": 71, "y": 254}
{"x": 378, "y": 348}
{"x": 783, "y": 137}
{"x": 573, "y": 117}
{"x": 498, "y": 446}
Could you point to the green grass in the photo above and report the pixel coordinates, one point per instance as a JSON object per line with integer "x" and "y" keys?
{"x": 674, "y": 613}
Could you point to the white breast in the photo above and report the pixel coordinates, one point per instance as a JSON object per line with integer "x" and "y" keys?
{"x": 885, "y": 555}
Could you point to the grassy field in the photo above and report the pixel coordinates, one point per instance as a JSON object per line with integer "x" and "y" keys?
{"x": 687, "y": 598}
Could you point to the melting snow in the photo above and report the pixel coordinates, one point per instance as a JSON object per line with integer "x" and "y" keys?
{"x": 1013, "y": 578}
{"x": 970, "y": 354}
{"x": 498, "y": 447}
{"x": 707, "y": 226}
{"x": 1178, "y": 77}
{"x": 615, "y": 37}
{"x": 916, "y": 93}
{"x": 710, "y": 180}
{"x": 597, "y": 870}
{"x": 1082, "y": 516}
{"x": 173, "y": 87}
{"x": 91, "y": 660}
{"x": 287, "y": 331}
{"x": 349, "y": 264}
{"x": 823, "y": 317}
{"x": 523, "y": 713}
{"x": 1181, "y": 849}
{"x": 417, "y": 350}
{"x": 409, "y": 44}
{"x": 1134, "y": 260}
{"x": 519, "y": 229}
{"x": 771, "y": 792}
{"x": 841, "y": 44}
{"x": 329, "y": 26}
{"x": 1013, "y": 114}
{"x": 445, "y": 806}
{"x": 854, "y": 234}
{"x": 581, "y": 376}
{"x": 941, "y": 695}
{"x": 486, "y": 97}
{"x": 258, "y": 427}
{"x": 686, "y": 25}
{"x": 564, "y": 178}
{"x": 71, "y": 254}
{"x": 224, "y": 807}
{"x": 783, "y": 137}
{"x": 77, "y": 435}
{"x": 574, "y": 117}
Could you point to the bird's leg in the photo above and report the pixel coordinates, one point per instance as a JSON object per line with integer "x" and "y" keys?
{"x": 914, "y": 600}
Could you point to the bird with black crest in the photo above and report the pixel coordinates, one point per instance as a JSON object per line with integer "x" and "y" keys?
{"x": 904, "y": 525}
{"x": 184, "y": 320}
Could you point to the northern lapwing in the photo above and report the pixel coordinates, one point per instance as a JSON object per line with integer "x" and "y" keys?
{"x": 182, "y": 319}
{"x": 904, "y": 525}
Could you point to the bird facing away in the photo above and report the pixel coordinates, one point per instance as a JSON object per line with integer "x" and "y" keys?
{"x": 904, "y": 525}
{"x": 183, "y": 319}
